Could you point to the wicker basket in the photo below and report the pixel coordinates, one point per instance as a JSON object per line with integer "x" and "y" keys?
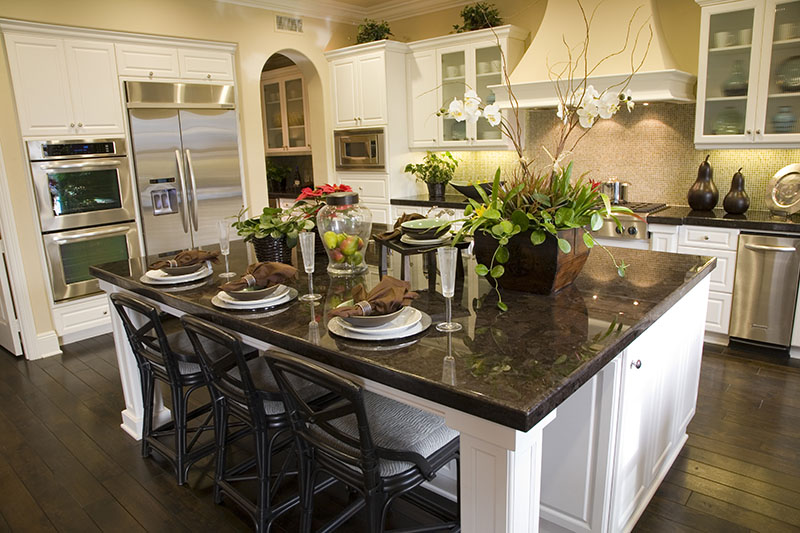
{"x": 269, "y": 249}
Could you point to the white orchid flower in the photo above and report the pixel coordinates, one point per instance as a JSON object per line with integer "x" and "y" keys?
{"x": 456, "y": 110}
{"x": 589, "y": 96}
{"x": 608, "y": 105}
{"x": 587, "y": 114}
{"x": 562, "y": 113}
{"x": 472, "y": 98}
{"x": 627, "y": 97}
{"x": 492, "y": 114}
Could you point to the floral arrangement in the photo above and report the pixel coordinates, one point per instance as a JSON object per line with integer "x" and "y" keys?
{"x": 273, "y": 222}
{"x": 548, "y": 200}
{"x": 310, "y": 201}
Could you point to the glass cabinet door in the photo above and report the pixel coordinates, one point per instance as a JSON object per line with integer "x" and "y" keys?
{"x": 295, "y": 113}
{"x": 783, "y": 85}
{"x": 272, "y": 113}
{"x": 488, "y": 71}
{"x": 453, "y": 86}
{"x": 730, "y": 76}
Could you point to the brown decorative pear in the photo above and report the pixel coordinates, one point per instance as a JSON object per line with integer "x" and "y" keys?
{"x": 703, "y": 195}
{"x": 736, "y": 201}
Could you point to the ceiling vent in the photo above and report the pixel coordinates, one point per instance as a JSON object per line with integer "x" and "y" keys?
{"x": 289, "y": 24}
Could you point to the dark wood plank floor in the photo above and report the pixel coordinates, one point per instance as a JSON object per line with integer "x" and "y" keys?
{"x": 66, "y": 466}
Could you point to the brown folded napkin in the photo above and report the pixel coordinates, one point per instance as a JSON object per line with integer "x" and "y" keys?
{"x": 395, "y": 233}
{"x": 186, "y": 258}
{"x": 262, "y": 275}
{"x": 386, "y": 297}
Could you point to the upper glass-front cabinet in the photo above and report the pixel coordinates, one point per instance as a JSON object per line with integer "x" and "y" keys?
{"x": 285, "y": 111}
{"x": 748, "y": 74}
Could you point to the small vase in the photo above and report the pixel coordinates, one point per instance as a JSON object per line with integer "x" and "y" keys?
{"x": 703, "y": 194}
{"x": 436, "y": 191}
{"x": 784, "y": 120}
{"x": 736, "y": 84}
{"x": 736, "y": 202}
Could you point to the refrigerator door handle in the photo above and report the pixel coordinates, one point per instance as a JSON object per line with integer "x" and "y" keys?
{"x": 194, "y": 189}
{"x": 185, "y": 199}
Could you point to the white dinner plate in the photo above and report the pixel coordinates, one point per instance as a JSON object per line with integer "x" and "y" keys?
{"x": 280, "y": 292}
{"x": 335, "y": 327}
{"x": 159, "y": 277}
{"x": 407, "y": 318}
{"x": 288, "y": 296}
{"x": 424, "y": 242}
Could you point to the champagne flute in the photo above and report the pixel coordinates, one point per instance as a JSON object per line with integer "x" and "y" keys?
{"x": 449, "y": 363}
{"x": 447, "y": 257}
{"x": 307, "y": 249}
{"x": 225, "y": 246}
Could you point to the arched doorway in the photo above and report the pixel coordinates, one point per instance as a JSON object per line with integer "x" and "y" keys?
{"x": 291, "y": 99}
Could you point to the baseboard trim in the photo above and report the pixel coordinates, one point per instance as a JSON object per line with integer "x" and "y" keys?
{"x": 46, "y": 346}
{"x": 133, "y": 425}
{"x": 79, "y": 334}
{"x": 719, "y": 339}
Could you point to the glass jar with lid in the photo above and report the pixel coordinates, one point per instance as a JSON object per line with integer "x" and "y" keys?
{"x": 344, "y": 227}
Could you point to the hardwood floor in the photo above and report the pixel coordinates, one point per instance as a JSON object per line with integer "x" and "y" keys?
{"x": 66, "y": 466}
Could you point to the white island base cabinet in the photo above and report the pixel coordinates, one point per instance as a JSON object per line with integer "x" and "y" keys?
{"x": 616, "y": 437}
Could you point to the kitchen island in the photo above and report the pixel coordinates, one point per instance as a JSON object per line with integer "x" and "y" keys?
{"x": 620, "y": 357}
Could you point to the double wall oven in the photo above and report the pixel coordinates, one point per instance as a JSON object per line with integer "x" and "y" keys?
{"x": 86, "y": 209}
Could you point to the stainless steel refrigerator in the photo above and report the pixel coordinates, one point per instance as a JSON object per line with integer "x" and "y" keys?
{"x": 186, "y": 159}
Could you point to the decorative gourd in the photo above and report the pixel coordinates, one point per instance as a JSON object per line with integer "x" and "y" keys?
{"x": 703, "y": 195}
{"x": 736, "y": 201}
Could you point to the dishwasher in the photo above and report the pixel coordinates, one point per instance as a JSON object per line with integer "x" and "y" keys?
{"x": 765, "y": 288}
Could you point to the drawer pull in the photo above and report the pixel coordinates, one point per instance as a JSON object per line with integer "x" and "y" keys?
{"x": 705, "y": 237}
{"x": 636, "y": 364}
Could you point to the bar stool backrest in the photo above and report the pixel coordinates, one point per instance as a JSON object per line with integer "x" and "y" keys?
{"x": 148, "y": 341}
{"x": 317, "y": 425}
{"x": 218, "y": 363}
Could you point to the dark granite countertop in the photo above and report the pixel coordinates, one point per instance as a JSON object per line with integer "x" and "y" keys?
{"x": 511, "y": 368}
{"x": 751, "y": 220}
{"x": 455, "y": 200}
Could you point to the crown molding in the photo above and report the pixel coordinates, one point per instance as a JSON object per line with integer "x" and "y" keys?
{"x": 339, "y": 11}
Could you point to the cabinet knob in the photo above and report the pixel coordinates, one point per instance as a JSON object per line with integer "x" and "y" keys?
{"x": 748, "y": 132}
{"x": 71, "y": 124}
{"x": 80, "y": 124}
{"x": 636, "y": 364}
{"x": 705, "y": 237}
{"x": 208, "y": 76}
{"x": 150, "y": 73}
{"x": 758, "y": 132}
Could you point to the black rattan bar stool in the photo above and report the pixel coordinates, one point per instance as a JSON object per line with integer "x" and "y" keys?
{"x": 378, "y": 447}
{"x": 167, "y": 357}
{"x": 245, "y": 392}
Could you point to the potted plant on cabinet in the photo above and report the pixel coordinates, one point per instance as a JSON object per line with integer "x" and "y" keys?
{"x": 478, "y": 16}
{"x": 273, "y": 233}
{"x": 436, "y": 171}
{"x": 530, "y": 234}
{"x": 372, "y": 30}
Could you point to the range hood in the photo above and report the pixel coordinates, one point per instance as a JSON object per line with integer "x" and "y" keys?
{"x": 668, "y": 73}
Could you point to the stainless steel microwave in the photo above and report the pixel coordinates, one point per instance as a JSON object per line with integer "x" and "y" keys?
{"x": 359, "y": 149}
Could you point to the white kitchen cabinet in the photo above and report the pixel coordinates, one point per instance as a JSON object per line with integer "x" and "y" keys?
{"x": 285, "y": 112}
{"x": 359, "y": 76}
{"x": 720, "y": 243}
{"x": 196, "y": 64}
{"x": 615, "y": 438}
{"x": 139, "y": 60}
{"x": 746, "y": 94}
{"x": 443, "y": 68}
{"x": 82, "y": 318}
{"x": 663, "y": 237}
{"x": 64, "y": 87}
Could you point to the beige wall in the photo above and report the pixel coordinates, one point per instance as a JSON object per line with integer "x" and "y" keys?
{"x": 251, "y": 29}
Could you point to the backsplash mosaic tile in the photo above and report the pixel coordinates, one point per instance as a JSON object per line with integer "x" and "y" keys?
{"x": 652, "y": 149}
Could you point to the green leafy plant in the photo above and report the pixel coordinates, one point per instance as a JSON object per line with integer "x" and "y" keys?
{"x": 434, "y": 168}
{"x": 273, "y": 222}
{"x": 277, "y": 173}
{"x": 478, "y": 16}
{"x": 372, "y": 30}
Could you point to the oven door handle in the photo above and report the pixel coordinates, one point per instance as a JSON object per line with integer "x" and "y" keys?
{"x": 87, "y": 164}
{"x": 92, "y": 234}
{"x": 767, "y": 248}
{"x": 194, "y": 189}
{"x": 184, "y": 197}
